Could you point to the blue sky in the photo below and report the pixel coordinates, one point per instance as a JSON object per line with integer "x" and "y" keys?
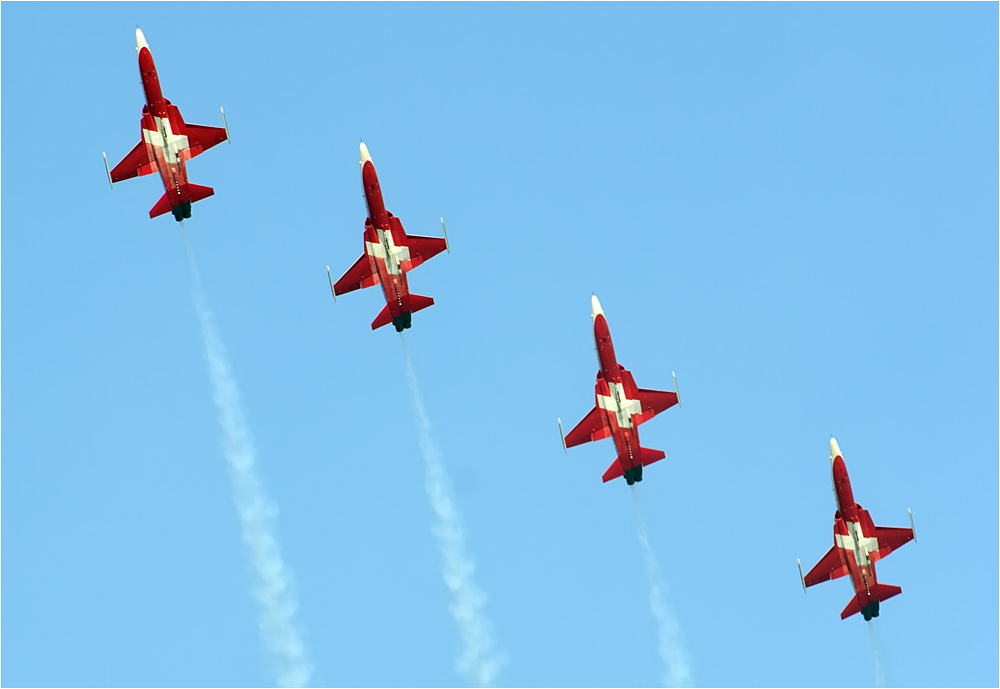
{"x": 793, "y": 206}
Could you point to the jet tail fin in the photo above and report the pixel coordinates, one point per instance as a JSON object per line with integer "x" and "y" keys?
{"x": 614, "y": 471}
{"x": 198, "y": 192}
{"x": 886, "y": 591}
{"x": 383, "y": 318}
{"x": 418, "y": 302}
{"x": 646, "y": 457}
{"x": 188, "y": 192}
{"x": 853, "y": 608}
{"x": 882, "y": 592}
{"x": 650, "y": 456}
{"x": 162, "y": 206}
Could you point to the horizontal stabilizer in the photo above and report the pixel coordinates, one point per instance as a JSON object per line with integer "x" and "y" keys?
{"x": 196, "y": 192}
{"x": 383, "y": 318}
{"x": 162, "y": 206}
{"x": 885, "y": 591}
{"x": 853, "y": 608}
{"x": 882, "y": 592}
{"x": 650, "y": 456}
{"x": 646, "y": 457}
{"x": 614, "y": 471}
{"x": 418, "y": 302}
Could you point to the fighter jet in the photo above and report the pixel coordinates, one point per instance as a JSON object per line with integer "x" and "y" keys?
{"x": 620, "y": 408}
{"x": 857, "y": 545}
{"x": 389, "y": 254}
{"x": 168, "y": 142}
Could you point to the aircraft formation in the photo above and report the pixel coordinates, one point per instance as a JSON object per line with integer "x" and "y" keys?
{"x": 168, "y": 142}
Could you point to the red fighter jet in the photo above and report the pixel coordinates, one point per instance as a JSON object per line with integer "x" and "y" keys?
{"x": 857, "y": 545}
{"x": 167, "y": 143}
{"x": 621, "y": 407}
{"x": 389, "y": 254}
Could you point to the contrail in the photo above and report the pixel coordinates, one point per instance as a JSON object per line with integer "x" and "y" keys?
{"x": 479, "y": 662}
{"x": 879, "y": 673}
{"x": 677, "y": 673}
{"x": 256, "y": 512}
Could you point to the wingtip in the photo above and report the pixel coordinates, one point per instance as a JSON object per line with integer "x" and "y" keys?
{"x": 444, "y": 231}
{"x": 329, "y": 275}
{"x": 108, "y": 169}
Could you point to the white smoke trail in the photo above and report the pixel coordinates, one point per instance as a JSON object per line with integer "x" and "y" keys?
{"x": 677, "y": 672}
{"x": 479, "y": 662}
{"x": 879, "y": 673}
{"x": 256, "y": 512}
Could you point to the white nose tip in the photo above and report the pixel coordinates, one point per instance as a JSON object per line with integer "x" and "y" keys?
{"x": 365, "y": 156}
{"x": 595, "y": 307}
{"x": 834, "y": 449}
{"x": 140, "y": 40}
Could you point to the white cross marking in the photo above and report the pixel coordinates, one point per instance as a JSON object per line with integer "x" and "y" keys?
{"x": 387, "y": 250}
{"x": 619, "y": 403}
{"x": 165, "y": 139}
{"x": 856, "y": 542}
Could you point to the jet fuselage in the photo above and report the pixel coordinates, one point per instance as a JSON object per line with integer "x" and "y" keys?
{"x": 854, "y": 533}
{"x": 385, "y": 247}
{"x": 163, "y": 135}
{"x": 612, "y": 398}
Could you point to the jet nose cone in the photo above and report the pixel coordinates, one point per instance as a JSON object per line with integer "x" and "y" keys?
{"x": 365, "y": 156}
{"x": 595, "y": 307}
{"x": 140, "y": 40}
{"x": 834, "y": 449}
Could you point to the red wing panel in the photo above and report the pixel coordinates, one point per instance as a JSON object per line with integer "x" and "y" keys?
{"x": 829, "y": 568}
{"x": 362, "y": 274}
{"x": 891, "y": 538}
{"x": 653, "y": 401}
{"x": 202, "y": 138}
{"x": 135, "y": 164}
{"x": 593, "y": 427}
{"x": 421, "y": 249}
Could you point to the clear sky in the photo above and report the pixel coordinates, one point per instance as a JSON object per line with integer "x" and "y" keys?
{"x": 793, "y": 206}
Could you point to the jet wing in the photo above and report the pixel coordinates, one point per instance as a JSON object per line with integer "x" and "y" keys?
{"x": 593, "y": 427}
{"x": 421, "y": 249}
{"x": 362, "y": 274}
{"x": 135, "y": 164}
{"x": 829, "y": 568}
{"x": 891, "y": 538}
{"x": 652, "y": 401}
{"x": 201, "y": 138}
